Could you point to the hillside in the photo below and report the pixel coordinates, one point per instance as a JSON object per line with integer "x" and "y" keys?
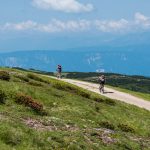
{"x": 38, "y": 112}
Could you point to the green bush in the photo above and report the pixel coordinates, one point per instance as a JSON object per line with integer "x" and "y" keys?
{"x": 12, "y": 137}
{"x": 106, "y": 101}
{"x": 36, "y": 78}
{"x": 29, "y": 101}
{"x": 98, "y": 99}
{"x": 109, "y": 101}
{"x": 97, "y": 108}
{"x": 60, "y": 86}
{"x": 84, "y": 94}
{"x": 126, "y": 128}
{"x": 3, "y": 97}
{"x": 35, "y": 83}
{"x": 22, "y": 77}
{"x": 4, "y": 75}
{"x": 106, "y": 124}
{"x": 71, "y": 89}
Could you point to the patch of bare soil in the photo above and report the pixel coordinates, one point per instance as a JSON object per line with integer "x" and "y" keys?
{"x": 3, "y": 116}
{"x": 42, "y": 126}
{"x": 38, "y": 125}
{"x": 144, "y": 142}
{"x": 105, "y": 135}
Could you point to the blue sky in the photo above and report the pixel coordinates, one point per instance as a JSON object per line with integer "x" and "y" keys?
{"x": 61, "y": 24}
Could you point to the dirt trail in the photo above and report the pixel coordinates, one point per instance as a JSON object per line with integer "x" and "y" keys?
{"x": 111, "y": 93}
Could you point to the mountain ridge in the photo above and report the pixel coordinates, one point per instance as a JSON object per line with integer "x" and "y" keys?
{"x": 104, "y": 59}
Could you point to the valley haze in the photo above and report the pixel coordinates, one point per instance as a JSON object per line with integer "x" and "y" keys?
{"x": 123, "y": 60}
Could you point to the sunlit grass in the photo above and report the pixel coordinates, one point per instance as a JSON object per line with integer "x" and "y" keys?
{"x": 74, "y": 118}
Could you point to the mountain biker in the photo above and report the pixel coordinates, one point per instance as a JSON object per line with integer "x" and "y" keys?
{"x": 59, "y": 70}
{"x": 102, "y": 83}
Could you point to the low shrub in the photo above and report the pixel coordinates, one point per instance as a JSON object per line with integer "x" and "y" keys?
{"x": 106, "y": 101}
{"x": 98, "y": 99}
{"x": 97, "y": 108}
{"x": 109, "y": 101}
{"x": 106, "y": 124}
{"x": 15, "y": 80}
{"x": 29, "y": 101}
{"x": 71, "y": 89}
{"x": 58, "y": 95}
{"x": 64, "y": 86}
{"x": 3, "y": 97}
{"x": 4, "y": 75}
{"x": 35, "y": 83}
{"x": 126, "y": 128}
{"x": 57, "y": 139}
{"x": 11, "y": 94}
{"x": 84, "y": 94}
{"x": 12, "y": 137}
{"x": 36, "y": 78}
{"x": 59, "y": 86}
{"x": 22, "y": 77}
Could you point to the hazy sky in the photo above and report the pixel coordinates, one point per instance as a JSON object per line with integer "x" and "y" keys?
{"x": 60, "y": 24}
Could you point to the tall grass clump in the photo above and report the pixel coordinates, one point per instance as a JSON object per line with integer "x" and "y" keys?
{"x": 71, "y": 89}
{"x": 35, "y": 83}
{"x": 4, "y": 76}
{"x": 3, "y": 97}
{"x": 126, "y": 128}
{"x": 36, "y": 78}
{"x": 11, "y": 137}
{"x": 22, "y": 78}
{"x": 107, "y": 125}
{"x": 110, "y": 101}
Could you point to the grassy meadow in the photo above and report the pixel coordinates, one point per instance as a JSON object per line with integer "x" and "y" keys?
{"x": 40, "y": 113}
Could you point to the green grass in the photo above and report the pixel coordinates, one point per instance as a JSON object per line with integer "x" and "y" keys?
{"x": 74, "y": 119}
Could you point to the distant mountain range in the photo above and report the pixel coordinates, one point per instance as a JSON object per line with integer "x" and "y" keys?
{"x": 126, "y": 60}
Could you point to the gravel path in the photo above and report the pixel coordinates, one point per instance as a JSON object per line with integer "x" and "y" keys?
{"x": 111, "y": 93}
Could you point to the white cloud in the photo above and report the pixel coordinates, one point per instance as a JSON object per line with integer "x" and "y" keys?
{"x": 110, "y": 26}
{"x": 53, "y": 26}
{"x": 140, "y": 22}
{"x": 140, "y": 17}
{"x": 20, "y": 26}
{"x": 67, "y": 6}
